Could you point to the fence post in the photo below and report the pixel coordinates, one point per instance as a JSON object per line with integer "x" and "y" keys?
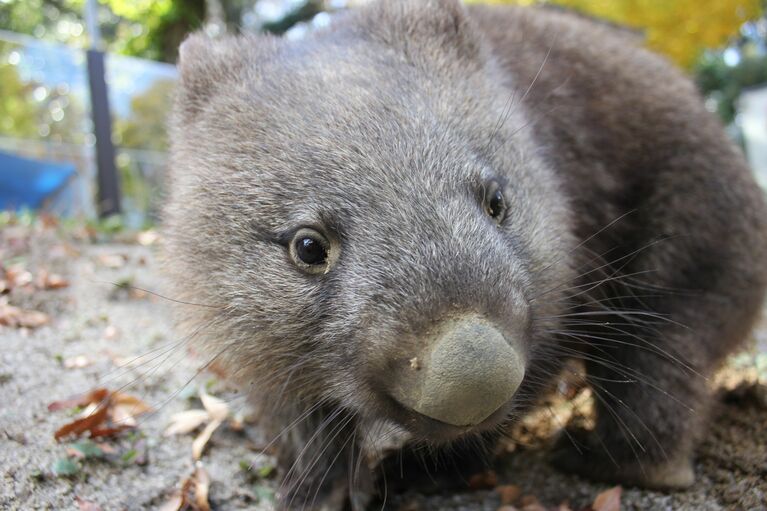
{"x": 107, "y": 179}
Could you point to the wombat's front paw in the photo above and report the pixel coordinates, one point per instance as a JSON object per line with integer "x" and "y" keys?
{"x": 593, "y": 459}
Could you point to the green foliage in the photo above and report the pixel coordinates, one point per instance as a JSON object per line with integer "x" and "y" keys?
{"x": 145, "y": 128}
{"x": 57, "y": 20}
{"x": 88, "y": 449}
{"x": 65, "y": 467}
{"x": 724, "y": 83}
{"x": 30, "y": 110}
{"x": 681, "y": 29}
{"x": 151, "y": 29}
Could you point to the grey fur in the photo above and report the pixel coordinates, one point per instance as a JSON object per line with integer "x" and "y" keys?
{"x": 634, "y": 236}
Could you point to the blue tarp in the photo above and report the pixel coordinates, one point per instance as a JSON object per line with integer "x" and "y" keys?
{"x": 26, "y": 183}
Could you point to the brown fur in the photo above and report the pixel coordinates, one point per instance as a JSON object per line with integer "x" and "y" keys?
{"x": 634, "y": 236}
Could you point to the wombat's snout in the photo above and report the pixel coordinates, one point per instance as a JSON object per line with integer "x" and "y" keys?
{"x": 467, "y": 372}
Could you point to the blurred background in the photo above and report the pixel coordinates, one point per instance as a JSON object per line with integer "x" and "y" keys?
{"x": 85, "y": 85}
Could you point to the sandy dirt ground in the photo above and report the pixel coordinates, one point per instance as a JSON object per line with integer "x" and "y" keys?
{"x": 98, "y": 329}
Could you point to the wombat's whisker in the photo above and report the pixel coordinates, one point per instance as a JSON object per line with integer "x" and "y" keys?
{"x": 645, "y": 346}
{"x": 582, "y": 244}
{"x": 163, "y": 356}
{"x": 341, "y": 449}
{"x": 633, "y": 413}
{"x": 326, "y": 421}
{"x": 563, "y": 428}
{"x": 621, "y": 369}
{"x": 324, "y": 446}
{"x": 122, "y": 285}
{"x": 301, "y": 417}
{"x": 157, "y": 406}
{"x": 608, "y": 363}
{"x": 613, "y": 276}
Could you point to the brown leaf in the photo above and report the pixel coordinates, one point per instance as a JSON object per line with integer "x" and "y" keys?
{"x": 21, "y": 318}
{"x": 509, "y": 493}
{"x": 175, "y": 503}
{"x": 484, "y": 480}
{"x": 193, "y": 494}
{"x": 201, "y": 488}
{"x": 90, "y": 422}
{"x": 105, "y": 414}
{"x": 81, "y": 400}
{"x": 86, "y": 505}
{"x": 125, "y": 408}
{"x": 608, "y": 500}
{"x": 55, "y": 282}
{"x": 47, "y": 280}
{"x": 18, "y": 277}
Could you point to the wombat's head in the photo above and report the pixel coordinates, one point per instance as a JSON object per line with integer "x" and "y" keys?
{"x": 371, "y": 216}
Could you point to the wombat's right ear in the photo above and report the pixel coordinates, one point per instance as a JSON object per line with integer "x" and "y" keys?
{"x": 207, "y": 64}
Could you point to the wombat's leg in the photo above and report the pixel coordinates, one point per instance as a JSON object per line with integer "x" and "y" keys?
{"x": 315, "y": 457}
{"x": 648, "y": 371}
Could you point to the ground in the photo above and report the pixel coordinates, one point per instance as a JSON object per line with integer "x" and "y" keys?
{"x": 97, "y": 329}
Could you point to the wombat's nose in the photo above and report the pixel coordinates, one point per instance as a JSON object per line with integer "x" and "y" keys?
{"x": 463, "y": 376}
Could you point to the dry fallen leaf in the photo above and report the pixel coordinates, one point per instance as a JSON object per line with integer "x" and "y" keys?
{"x": 21, "y": 318}
{"x": 86, "y": 505}
{"x": 186, "y": 422}
{"x": 148, "y": 237}
{"x": 193, "y": 494}
{"x": 217, "y": 408}
{"x": 215, "y": 413}
{"x": 104, "y": 414}
{"x": 199, "y": 443}
{"x": 202, "y": 488}
{"x": 112, "y": 261}
{"x": 82, "y": 400}
{"x": 484, "y": 480}
{"x": 47, "y": 280}
{"x": 18, "y": 277}
{"x": 91, "y": 421}
{"x": 125, "y": 408}
{"x": 509, "y": 493}
{"x": 608, "y": 500}
{"x": 77, "y": 362}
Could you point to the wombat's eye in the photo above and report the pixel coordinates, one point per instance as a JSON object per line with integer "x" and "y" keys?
{"x": 309, "y": 251}
{"x": 495, "y": 202}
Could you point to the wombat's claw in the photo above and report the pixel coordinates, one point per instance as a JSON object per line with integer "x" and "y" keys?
{"x": 580, "y": 452}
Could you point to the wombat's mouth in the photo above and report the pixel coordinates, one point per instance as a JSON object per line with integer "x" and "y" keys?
{"x": 437, "y": 431}
{"x": 462, "y": 380}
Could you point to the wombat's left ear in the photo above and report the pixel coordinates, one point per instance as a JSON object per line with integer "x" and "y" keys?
{"x": 433, "y": 26}
{"x": 206, "y": 65}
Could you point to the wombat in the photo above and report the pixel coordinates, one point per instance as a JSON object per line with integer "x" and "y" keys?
{"x": 407, "y": 222}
